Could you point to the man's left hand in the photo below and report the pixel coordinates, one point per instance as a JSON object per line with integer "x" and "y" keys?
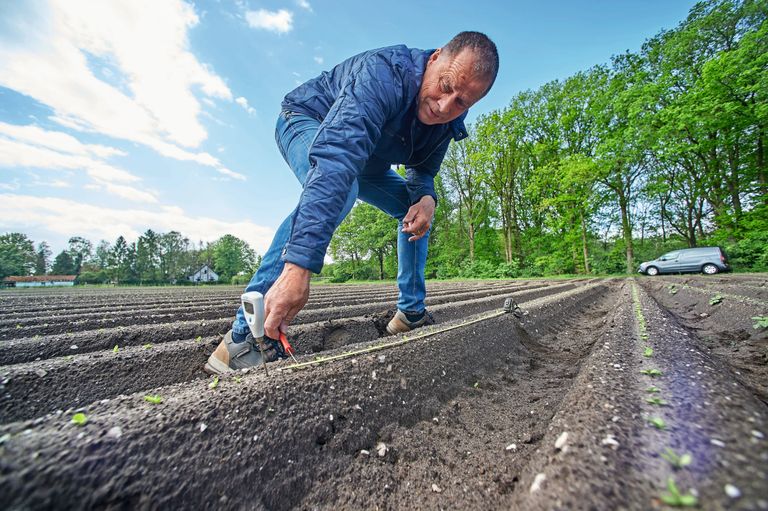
{"x": 419, "y": 218}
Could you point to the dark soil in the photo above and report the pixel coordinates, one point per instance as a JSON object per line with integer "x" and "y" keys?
{"x": 543, "y": 410}
{"x": 725, "y": 329}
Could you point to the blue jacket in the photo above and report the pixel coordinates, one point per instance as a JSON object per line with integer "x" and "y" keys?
{"x": 367, "y": 109}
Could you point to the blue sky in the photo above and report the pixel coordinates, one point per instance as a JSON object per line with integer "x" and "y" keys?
{"x": 122, "y": 116}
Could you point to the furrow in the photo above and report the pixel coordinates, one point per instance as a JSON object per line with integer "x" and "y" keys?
{"x": 269, "y": 442}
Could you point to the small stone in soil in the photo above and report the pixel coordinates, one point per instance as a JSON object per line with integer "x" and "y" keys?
{"x": 537, "y": 482}
{"x": 436, "y": 488}
{"x": 757, "y": 434}
{"x": 561, "y": 440}
{"x": 203, "y": 427}
{"x": 40, "y": 372}
{"x": 511, "y": 447}
{"x": 732, "y": 491}
{"x": 716, "y": 442}
{"x": 115, "y": 432}
{"x": 381, "y": 449}
{"x": 365, "y": 452}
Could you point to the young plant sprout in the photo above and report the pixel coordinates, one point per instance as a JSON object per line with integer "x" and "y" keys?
{"x": 155, "y": 399}
{"x": 675, "y": 499}
{"x": 79, "y": 419}
{"x": 677, "y": 461}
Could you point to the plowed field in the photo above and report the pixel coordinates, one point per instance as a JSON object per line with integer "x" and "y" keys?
{"x": 595, "y": 394}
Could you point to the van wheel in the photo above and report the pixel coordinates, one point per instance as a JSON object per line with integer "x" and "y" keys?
{"x": 652, "y": 271}
{"x": 709, "y": 269}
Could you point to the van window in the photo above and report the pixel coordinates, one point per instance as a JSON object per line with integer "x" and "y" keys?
{"x": 670, "y": 255}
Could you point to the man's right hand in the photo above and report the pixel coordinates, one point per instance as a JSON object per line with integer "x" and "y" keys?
{"x": 287, "y": 296}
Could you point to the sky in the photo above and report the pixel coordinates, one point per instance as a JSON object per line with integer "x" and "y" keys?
{"x": 126, "y": 115}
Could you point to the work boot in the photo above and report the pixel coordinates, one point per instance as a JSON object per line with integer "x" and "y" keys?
{"x": 400, "y": 323}
{"x": 230, "y": 356}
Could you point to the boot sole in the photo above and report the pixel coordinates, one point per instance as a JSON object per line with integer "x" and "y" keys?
{"x": 216, "y": 367}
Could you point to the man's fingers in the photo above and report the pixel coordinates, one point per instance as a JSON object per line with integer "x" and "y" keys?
{"x": 272, "y": 326}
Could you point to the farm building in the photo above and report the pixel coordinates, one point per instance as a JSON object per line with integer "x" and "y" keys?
{"x": 204, "y": 274}
{"x": 40, "y": 281}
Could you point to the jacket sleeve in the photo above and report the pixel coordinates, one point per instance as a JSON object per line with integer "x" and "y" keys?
{"x": 345, "y": 140}
{"x": 420, "y": 179}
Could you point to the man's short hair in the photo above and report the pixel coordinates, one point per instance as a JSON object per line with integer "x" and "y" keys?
{"x": 487, "y": 63}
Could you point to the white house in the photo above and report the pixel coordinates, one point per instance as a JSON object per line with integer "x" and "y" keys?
{"x": 40, "y": 281}
{"x": 204, "y": 274}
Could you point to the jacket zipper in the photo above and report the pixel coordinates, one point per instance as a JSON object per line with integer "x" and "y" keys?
{"x": 432, "y": 151}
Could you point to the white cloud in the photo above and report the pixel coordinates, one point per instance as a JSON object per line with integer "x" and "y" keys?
{"x": 276, "y": 21}
{"x": 144, "y": 41}
{"x": 49, "y": 215}
{"x": 244, "y": 103}
{"x": 13, "y": 186}
{"x": 35, "y": 148}
{"x": 319, "y": 60}
{"x": 304, "y": 5}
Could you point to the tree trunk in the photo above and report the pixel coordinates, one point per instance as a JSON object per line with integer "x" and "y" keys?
{"x": 471, "y": 236}
{"x": 626, "y": 229}
{"x": 584, "y": 249}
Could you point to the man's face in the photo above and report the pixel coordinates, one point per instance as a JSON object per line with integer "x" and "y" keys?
{"x": 449, "y": 87}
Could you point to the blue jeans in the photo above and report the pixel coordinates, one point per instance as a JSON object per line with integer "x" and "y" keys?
{"x": 385, "y": 190}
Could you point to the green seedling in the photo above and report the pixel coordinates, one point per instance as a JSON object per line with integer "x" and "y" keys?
{"x": 69, "y": 358}
{"x": 653, "y": 390}
{"x": 648, "y": 352}
{"x": 760, "y": 322}
{"x": 18, "y": 326}
{"x": 79, "y": 419}
{"x": 238, "y": 379}
{"x": 656, "y": 401}
{"x": 672, "y": 289}
{"x": 677, "y": 461}
{"x": 651, "y": 372}
{"x": 476, "y": 385}
{"x": 214, "y": 383}
{"x": 155, "y": 399}
{"x": 116, "y": 348}
{"x": 658, "y": 423}
{"x": 198, "y": 338}
{"x": 675, "y": 499}
{"x": 147, "y": 346}
{"x": 716, "y": 299}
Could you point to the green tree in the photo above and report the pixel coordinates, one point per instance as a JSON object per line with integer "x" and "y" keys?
{"x": 119, "y": 262}
{"x": 148, "y": 257}
{"x": 17, "y": 255}
{"x": 175, "y": 263}
{"x": 231, "y": 256}
{"x": 63, "y": 264}
{"x": 80, "y": 251}
{"x": 42, "y": 258}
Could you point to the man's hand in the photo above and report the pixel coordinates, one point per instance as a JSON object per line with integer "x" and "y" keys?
{"x": 419, "y": 218}
{"x": 287, "y": 296}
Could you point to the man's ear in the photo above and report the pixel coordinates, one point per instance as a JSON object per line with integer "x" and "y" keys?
{"x": 435, "y": 55}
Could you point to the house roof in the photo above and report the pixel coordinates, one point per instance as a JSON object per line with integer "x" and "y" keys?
{"x": 42, "y": 278}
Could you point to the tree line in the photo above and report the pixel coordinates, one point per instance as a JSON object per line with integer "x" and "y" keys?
{"x": 155, "y": 258}
{"x": 660, "y": 149}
